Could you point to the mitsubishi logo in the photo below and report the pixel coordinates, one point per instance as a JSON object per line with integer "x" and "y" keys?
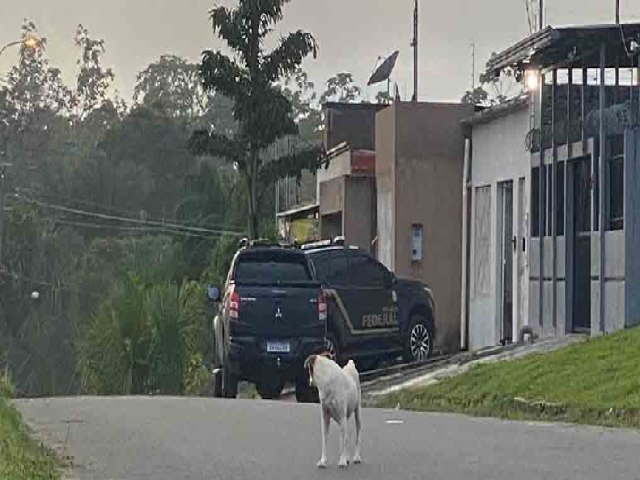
{"x": 278, "y": 314}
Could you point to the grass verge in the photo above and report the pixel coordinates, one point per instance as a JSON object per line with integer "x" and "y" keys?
{"x": 596, "y": 382}
{"x": 21, "y": 458}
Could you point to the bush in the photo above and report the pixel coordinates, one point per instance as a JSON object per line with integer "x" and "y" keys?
{"x": 142, "y": 338}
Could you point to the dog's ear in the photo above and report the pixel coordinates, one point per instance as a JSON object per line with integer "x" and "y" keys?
{"x": 308, "y": 363}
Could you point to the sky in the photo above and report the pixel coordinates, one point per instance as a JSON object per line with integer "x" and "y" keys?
{"x": 352, "y": 34}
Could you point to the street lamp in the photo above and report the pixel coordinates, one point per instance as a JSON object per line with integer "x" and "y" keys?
{"x": 30, "y": 41}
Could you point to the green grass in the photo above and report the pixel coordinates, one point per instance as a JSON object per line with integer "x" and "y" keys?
{"x": 596, "y": 382}
{"x": 21, "y": 458}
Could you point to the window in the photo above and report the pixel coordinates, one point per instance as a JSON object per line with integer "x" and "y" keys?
{"x": 366, "y": 272}
{"x": 321, "y": 264}
{"x": 560, "y": 198}
{"x": 548, "y": 171}
{"x": 339, "y": 269}
{"x": 482, "y": 242}
{"x": 535, "y": 202}
{"x": 416, "y": 242}
{"x": 615, "y": 174}
{"x": 595, "y": 186}
{"x": 271, "y": 267}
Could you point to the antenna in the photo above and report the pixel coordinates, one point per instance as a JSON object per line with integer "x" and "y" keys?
{"x": 527, "y": 6}
{"x": 473, "y": 66}
{"x": 384, "y": 70}
{"x": 414, "y": 44}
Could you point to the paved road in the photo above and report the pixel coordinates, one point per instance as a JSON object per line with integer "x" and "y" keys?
{"x": 171, "y": 439}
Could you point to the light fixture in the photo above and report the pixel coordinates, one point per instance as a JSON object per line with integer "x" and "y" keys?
{"x": 31, "y": 41}
{"x": 532, "y": 80}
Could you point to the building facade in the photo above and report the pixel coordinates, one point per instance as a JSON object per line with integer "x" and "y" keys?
{"x": 496, "y": 276}
{"x": 419, "y": 171}
{"x": 584, "y": 145}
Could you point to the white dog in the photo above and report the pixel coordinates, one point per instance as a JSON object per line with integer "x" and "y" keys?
{"x": 339, "y": 390}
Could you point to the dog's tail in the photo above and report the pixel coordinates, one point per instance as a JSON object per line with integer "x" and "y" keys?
{"x": 350, "y": 369}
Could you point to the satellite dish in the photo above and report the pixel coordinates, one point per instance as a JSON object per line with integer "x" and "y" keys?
{"x": 383, "y": 72}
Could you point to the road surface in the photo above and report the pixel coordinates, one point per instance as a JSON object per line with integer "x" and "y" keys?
{"x": 180, "y": 438}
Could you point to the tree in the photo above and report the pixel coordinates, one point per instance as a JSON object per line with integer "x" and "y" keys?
{"x": 301, "y": 93}
{"x": 251, "y": 81}
{"x": 341, "y": 88}
{"x": 493, "y": 90}
{"x": 174, "y": 84}
{"x": 384, "y": 98}
{"x": 93, "y": 81}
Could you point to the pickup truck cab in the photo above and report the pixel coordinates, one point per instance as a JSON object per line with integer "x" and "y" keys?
{"x": 373, "y": 315}
{"x": 272, "y": 315}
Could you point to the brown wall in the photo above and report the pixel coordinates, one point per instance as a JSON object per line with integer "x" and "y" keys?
{"x": 359, "y": 211}
{"x": 353, "y": 123}
{"x": 428, "y": 162}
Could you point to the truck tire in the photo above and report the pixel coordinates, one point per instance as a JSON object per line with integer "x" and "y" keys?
{"x": 418, "y": 342}
{"x": 218, "y": 342}
{"x": 229, "y": 382}
{"x": 216, "y": 381}
{"x": 269, "y": 390}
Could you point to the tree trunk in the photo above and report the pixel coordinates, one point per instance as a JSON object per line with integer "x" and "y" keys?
{"x": 252, "y": 188}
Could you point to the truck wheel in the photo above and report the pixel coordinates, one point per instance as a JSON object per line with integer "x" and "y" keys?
{"x": 229, "y": 383}
{"x": 418, "y": 343}
{"x": 218, "y": 351}
{"x": 216, "y": 381}
{"x": 269, "y": 390}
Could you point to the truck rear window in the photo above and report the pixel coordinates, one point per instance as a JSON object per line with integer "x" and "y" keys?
{"x": 271, "y": 267}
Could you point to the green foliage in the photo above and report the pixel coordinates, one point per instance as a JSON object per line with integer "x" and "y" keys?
{"x": 20, "y": 457}
{"x": 173, "y": 85}
{"x": 341, "y": 88}
{"x": 262, "y": 111}
{"x": 595, "y": 381}
{"x": 142, "y": 338}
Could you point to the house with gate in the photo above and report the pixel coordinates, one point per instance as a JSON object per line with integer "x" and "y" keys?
{"x": 581, "y": 186}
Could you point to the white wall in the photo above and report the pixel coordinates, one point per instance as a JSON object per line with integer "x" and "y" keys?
{"x": 498, "y": 155}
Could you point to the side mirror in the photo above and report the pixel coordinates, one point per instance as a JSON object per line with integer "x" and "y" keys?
{"x": 213, "y": 293}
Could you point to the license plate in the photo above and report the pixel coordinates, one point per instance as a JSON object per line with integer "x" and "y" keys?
{"x": 278, "y": 347}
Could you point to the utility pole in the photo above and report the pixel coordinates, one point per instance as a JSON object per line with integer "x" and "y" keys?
{"x": 541, "y": 16}
{"x": 473, "y": 66}
{"x": 414, "y": 44}
{"x": 618, "y": 12}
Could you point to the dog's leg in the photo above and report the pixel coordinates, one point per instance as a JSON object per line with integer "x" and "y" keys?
{"x": 356, "y": 457}
{"x": 326, "y": 422}
{"x": 344, "y": 461}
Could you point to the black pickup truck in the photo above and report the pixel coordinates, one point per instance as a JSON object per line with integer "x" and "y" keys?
{"x": 373, "y": 315}
{"x": 272, "y": 315}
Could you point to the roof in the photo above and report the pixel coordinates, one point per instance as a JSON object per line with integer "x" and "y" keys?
{"x": 353, "y": 106}
{"x": 555, "y": 45}
{"x": 299, "y": 210}
{"x": 500, "y": 110}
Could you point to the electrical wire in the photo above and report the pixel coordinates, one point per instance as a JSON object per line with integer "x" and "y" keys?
{"x": 168, "y": 225}
{"x": 131, "y": 229}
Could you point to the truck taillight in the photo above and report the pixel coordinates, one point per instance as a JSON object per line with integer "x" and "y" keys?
{"x": 322, "y": 307}
{"x": 234, "y": 304}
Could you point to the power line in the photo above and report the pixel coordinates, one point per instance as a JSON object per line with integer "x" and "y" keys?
{"x": 108, "y": 209}
{"x": 130, "y": 229}
{"x": 175, "y": 226}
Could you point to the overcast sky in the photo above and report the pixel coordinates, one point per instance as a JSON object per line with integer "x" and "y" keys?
{"x": 352, "y": 33}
